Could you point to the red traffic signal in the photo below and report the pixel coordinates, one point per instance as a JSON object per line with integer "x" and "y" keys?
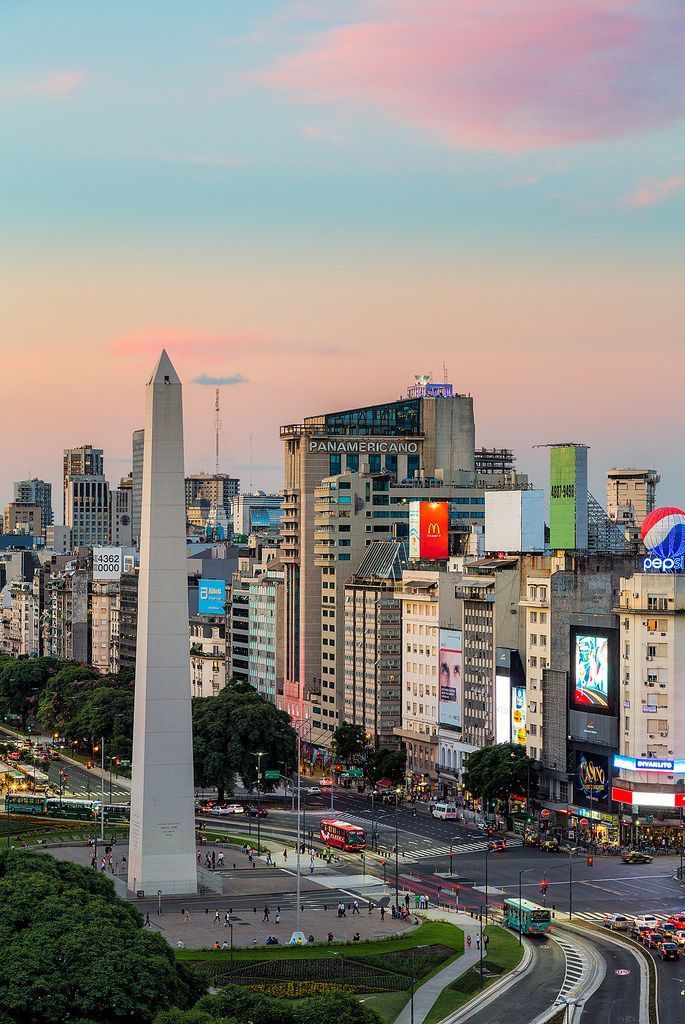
{"x": 117, "y": 760}
{"x": 89, "y": 764}
{"x": 543, "y": 887}
{"x": 590, "y": 862}
{"x": 457, "y": 888}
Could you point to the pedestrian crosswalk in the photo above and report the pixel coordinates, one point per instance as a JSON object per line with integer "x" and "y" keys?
{"x": 426, "y": 850}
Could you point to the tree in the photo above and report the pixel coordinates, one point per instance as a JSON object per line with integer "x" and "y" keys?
{"x": 387, "y": 764}
{"x": 497, "y": 771}
{"x": 230, "y": 728}
{"x": 335, "y": 1006}
{"x": 21, "y": 681}
{"x": 239, "y": 1002}
{"x": 349, "y": 742}
{"x": 70, "y": 950}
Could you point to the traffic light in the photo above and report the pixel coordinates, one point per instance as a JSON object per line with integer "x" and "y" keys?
{"x": 413, "y": 812}
{"x": 89, "y": 764}
{"x": 117, "y": 760}
{"x": 543, "y": 887}
{"x": 457, "y": 889}
{"x": 590, "y": 862}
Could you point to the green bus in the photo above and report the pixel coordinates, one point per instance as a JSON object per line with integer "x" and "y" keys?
{"x": 529, "y": 918}
{"x": 49, "y": 806}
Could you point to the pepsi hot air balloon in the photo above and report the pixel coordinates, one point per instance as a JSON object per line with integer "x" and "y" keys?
{"x": 663, "y": 532}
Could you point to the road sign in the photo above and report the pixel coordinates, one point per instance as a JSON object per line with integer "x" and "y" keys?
{"x": 622, "y": 972}
{"x": 272, "y": 775}
{"x": 583, "y": 822}
{"x": 544, "y": 814}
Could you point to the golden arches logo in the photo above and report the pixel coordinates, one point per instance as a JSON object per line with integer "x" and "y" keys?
{"x": 434, "y": 530}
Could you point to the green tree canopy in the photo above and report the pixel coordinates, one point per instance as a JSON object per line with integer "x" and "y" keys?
{"x": 72, "y": 952}
{"x": 230, "y": 728}
{"x": 497, "y": 771}
{"x": 349, "y": 742}
{"x": 22, "y": 680}
{"x": 387, "y": 764}
{"x": 235, "y": 1003}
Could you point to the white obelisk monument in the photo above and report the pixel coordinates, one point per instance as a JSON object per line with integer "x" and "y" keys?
{"x": 162, "y": 840}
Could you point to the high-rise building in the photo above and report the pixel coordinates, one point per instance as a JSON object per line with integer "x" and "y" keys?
{"x": 373, "y": 644}
{"x": 209, "y": 497}
{"x": 425, "y": 439}
{"x": 128, "y": 618}
{"x": 86, "y": 496}
{"x": 256, "y": 513}
{"x": 265, "y": 634}
{"x": 207, "y": 655}
{"x": 631, "y": 495}
{"x": 120, "y": 514}
{"x": 36, "y": 492}
{"x": 66, "y": 619}
{"x": 137, "y": 478}
{"x": 20, "y": 517}
{"x": 104, "y": 626}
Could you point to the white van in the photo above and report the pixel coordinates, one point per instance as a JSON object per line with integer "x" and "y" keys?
{"x": 445, "y": 811}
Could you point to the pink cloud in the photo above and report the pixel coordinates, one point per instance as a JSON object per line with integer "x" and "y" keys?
{"x": 323, "y": 133}
{"x": 56, "y": 85}
{"x": 650, "y": 192}
{"x": 501, "y": 74}
{"x": 183, "y": 343}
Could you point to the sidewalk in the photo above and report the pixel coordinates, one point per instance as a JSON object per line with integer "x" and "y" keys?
{"x": 425, "y": 996}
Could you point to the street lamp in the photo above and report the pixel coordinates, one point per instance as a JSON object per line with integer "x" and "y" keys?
{"x": 374, "y": 794}
{"x": 259, "y": 754}
{"x": 398, "y": 793}
{"x": 521, "y": 873}
{"x": 455, "y": 839}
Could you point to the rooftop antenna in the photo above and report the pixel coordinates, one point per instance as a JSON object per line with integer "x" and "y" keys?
{"x": 444, "y": 372}
{"x": 217, "y": 427}
{"x": 250, "y": 463}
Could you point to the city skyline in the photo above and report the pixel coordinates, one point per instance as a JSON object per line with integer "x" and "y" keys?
{"x": 250, "y": 191}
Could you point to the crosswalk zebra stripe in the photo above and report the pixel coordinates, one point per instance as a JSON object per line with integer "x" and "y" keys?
{"x": 478, "y": 846}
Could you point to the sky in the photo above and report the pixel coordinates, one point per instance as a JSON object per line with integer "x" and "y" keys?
{"x": 314, "y": 201}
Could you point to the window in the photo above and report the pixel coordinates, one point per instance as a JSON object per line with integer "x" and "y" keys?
{"x": 533, "y": 616}
{"x": 374, "y": 463}
{"x": 532, "y": 661}
{"x": 334, "y": 465}
{"x": 533, "y": 639}
{"x": 352, "y": 463}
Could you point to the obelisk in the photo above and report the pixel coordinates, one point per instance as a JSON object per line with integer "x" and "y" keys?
{"x": 162, "y": 839}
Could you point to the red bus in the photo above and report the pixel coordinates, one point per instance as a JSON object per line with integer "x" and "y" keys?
{"x": 342, "y": 835}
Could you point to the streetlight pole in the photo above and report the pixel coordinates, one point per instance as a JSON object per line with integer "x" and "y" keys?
{"x": 373, "y": 819}
{"x": 680, "y": 873}
{"x": 481, "y": 947}
{"x": 570, "y": 883}
{"x": 397, "y": 852}
{"x": 487, "y": 851}
{"x": 259, "y": 755}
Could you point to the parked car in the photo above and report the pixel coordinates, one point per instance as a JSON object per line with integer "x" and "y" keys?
{"x": 550, "y": 845}
{"x": 617, "y": 922}
{"x": 313, "y": 790}
{"x": 256, "y": 812}
{"x": 669, "y": 951}
{"x": 635, "y": 857}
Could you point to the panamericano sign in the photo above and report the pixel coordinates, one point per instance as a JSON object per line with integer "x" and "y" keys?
{"x": 327, "y": 444}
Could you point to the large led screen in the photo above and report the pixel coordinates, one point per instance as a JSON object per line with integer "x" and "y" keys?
{"x": 593, "y": 657}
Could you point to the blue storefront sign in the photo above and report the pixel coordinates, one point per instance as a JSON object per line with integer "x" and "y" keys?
{"x": 211, "y": 597}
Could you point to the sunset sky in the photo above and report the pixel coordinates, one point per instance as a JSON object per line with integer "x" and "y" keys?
{"x": 319, "y": 200}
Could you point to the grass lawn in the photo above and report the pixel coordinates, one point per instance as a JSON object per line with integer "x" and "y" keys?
{"x": 430, "y": 933}
{"x": 387, "y": 1004}
{"x": 503, "y": 955}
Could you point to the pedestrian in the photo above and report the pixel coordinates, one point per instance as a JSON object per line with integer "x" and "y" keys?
{"x": 102, "y": 864}
{"x": 227, "y": 919}
{"x": 147, "y": 920}
{"x": 217, "y": 917}
{"x": 198, "y": 856}
{"x": 266, "y": 913}
{"x": 216, "y": 944}
{"x": 382, "y": 913}
{"x": 186, "y": 916}
{"x": 486, "y": 939}
{"x": 123, "y": 863}
{"x": 417, "y": 901}
{"x": 285, "y": 854}
{"x": 477, "y": 941}
{"x": 224, "y": 944}
{"x": 355, "y": 907}
{"x": 221, "y": 859}
{"x": 468, "y": 942}
{"x": 406, "y": 901}
{"x": 277, "y": 918}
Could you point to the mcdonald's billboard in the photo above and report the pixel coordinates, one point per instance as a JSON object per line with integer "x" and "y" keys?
{"x": 428, "y": 529}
